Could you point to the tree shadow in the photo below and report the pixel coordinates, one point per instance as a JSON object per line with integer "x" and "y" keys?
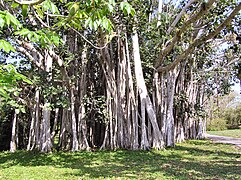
{"x": 182, "y": 162}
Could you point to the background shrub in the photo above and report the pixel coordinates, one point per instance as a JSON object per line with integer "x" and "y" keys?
{"x": 216, "y": 124}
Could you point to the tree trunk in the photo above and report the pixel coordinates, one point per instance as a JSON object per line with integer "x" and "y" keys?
{"x": 31, "y": 131}
{"x": 170, "y": 140}
{"x": 121, "y": 92}
{"x": 13, "y": 143}
{"x": 33, "y": 141}
{"x": 63, "y": 130}
{"x": 163, "y": 105}
{"x": 179, "y": 116}
{"x": 46, "y": 144}
{"x": 131, "y": 101}
{"x": 109, "y": 72}
{"x": 37, "y": 123}
{"x": 82, "y": 126}
{"x": 75, "y": 144}
{"x": 201, "y": 122}
{"x": 144, "y": 97}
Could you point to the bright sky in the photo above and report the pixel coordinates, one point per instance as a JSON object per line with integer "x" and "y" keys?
{"x": 236, "y": 88}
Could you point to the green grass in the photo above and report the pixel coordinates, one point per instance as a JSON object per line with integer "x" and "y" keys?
{"x": 190, "y": 160}
{"x": 236, "y": 133}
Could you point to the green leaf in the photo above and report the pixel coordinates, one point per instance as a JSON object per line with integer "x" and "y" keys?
{"x": 25, "y": 10}
{"x": 30, "y": 35}
{"x": 56, "y": 40}
{"x": 11, "y": 19}
{"x": 105, "y": 23}
{"x": 112, "y": 2}
{"x": 7, "y": 20}
{"x": 73, "y": 9}
{"x": 94, "y": 25}
{"x": 35, "y": 37}
{"x": 22, "y": 32}
{"x": 49, "y": 5}
{"x": 53, "y": 8}
{"x": 128, "y": 8}
{"x": 122, "y": 4}
{"x": 6, "y": 46}
{"x": 3, "y": 93}
{"x": 82, "y": 14}
{"x": 24, "y": 78}
{"x": 133, "y": 12}
{"x": 40, "y": 13}
{"x": 110, "y": 7}
{"x": 22, "y": 109}
{"x": 2, "y": 22}
{"x": 14, "y": 5}
{"x": 87, "y": 22}
{"x": 46, "y": 6}
{"x": 16, "y": 93}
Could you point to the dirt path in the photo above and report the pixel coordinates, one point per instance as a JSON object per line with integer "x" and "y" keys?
{"x": 226, "y": 140}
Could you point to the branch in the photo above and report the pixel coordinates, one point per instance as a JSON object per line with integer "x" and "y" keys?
{"x": 199, "y": 41}
{"x": 29, "y": 2}
{"x": 60, "y": 62}
{"x": 56, "y": 57}
{"x": 177, "y": 37}
{"x": 29, "y": 50}
{"x": 225, "y": 23}
{"x": 30, "y": 57}
{"x": 170, "y": 29}
{"x": 39, "y": 19}
{"x": 233, "y": 61}
{"x": 179, "y": 58}
{"x": 97, "y": 47}
{"x": 46, "y": 25}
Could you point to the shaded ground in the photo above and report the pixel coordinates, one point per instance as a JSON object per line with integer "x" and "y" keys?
{"x": 224, "y": 139}
{"x": 194, "y": 159}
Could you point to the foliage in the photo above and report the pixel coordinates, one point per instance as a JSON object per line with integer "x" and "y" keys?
{"x": 10, "y": 79}
{"x": 216, "y": 124}
{"x": 96, "y": 108}
{"x": 9, "y": 85}
{"x": 223, "y": 114}
{"x": 190, "y": 160}
{"x": 220, "y": 116}
{"x": 233, "y": 117}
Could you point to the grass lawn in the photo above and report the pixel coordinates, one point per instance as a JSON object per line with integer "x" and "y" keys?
{"x": 190, "y": 160}
{"x": 230, "y": 133}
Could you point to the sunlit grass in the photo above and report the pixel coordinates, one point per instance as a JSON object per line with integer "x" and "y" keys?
{"x": 190, "y": 160}
{"x": 236, "y": 133}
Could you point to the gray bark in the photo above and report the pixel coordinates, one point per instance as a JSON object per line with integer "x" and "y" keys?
{"x": 46, "y": 144}
{"x": 170, "y": 140}
{"x": 75, "y": 144}
{"x": 144, "y": 97}
{"x": 13, "y": 142}
{"x": 31, "y": 131}
{"x": 37, "y": 123}
{"x": 132, "y": 104}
